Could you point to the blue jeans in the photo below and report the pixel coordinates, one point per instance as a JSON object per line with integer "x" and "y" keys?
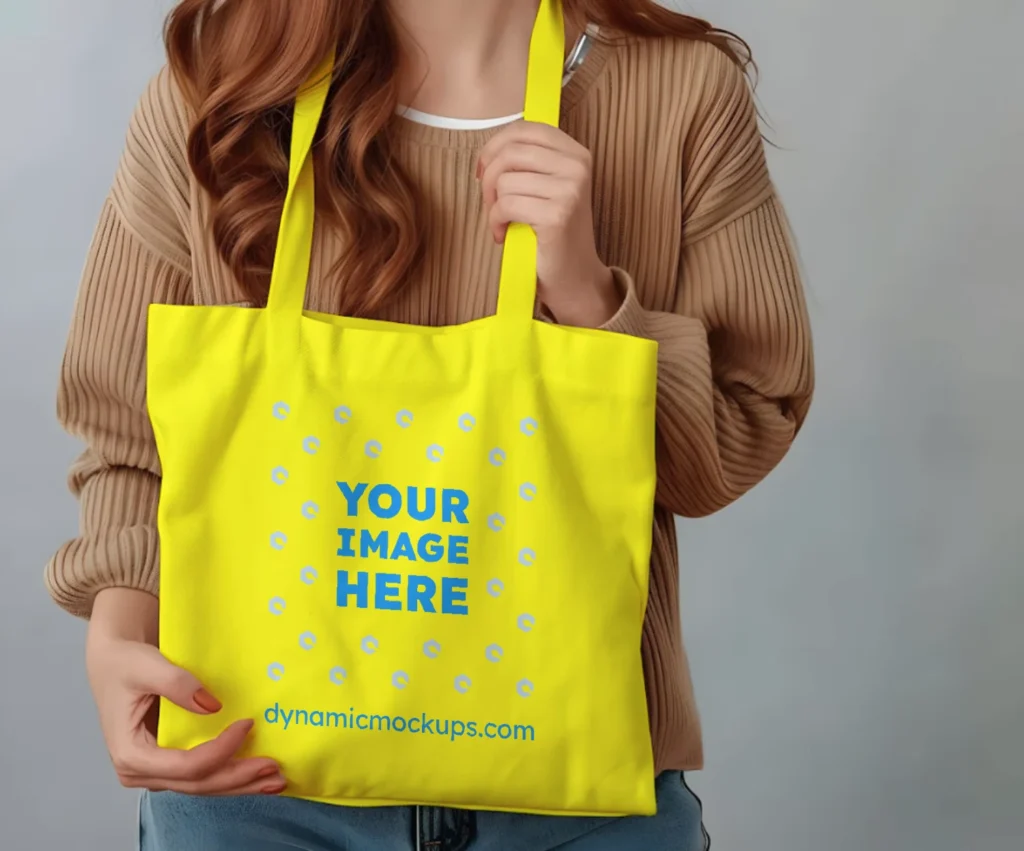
{"x": 172, "y": 822}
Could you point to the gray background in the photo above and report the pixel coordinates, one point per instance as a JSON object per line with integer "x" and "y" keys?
{"x": 855, "y": 624}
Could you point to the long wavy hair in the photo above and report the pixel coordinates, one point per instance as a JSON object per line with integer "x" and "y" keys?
{"x": 239, "y": 63}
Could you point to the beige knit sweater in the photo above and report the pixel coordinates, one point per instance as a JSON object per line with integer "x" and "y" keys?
{"x": 685, "y": 213}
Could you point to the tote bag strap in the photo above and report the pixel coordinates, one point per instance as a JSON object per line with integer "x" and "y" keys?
{"x": 295, "y": 233}
{"x": 517, "y": 290}
{"x": 518, "y": 284}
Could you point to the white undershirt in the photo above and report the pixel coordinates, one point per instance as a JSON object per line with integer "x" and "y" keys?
{"x": 446, "y": 123}
{"x": 576, "y": 57}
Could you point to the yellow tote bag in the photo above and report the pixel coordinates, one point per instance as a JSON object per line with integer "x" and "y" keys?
{"x": 418, "y": 557}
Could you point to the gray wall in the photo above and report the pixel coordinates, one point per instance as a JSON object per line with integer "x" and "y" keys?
{"x": 855, "y": 624}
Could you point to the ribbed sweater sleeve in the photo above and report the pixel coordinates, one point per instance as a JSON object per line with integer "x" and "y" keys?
{"x": 735, "y": 373}
{"x": 139, "y": 256}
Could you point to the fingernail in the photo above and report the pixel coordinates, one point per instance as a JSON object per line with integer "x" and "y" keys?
{"x": 206, "y": 701}
{"x": 269, "y": 770}
{"x": 274, "y": 788}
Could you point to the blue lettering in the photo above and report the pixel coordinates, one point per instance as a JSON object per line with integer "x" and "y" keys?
{"x": 455, "y": 503}
{"x": 403, "y": 548}
{"x": 428, "y": 726}
{"x": 275, "y": 709}
{"x": 430, "y": 549}
{"x": 359, "y": 721}
{"x": 346, "y": 542}
{"x": 394, "y": 501}
{"x": 352, "y": 496}
{"x": 421, "y": 593}
{"x": 387, "y": 592}
{"x": 415, "y": 512}
{"x": 415, "y": 721}
{"x": 452, "y": 593}
{"x": 369, "y": 544}
{"x": 457, "y": 549}
{"x": 347, "y": 589}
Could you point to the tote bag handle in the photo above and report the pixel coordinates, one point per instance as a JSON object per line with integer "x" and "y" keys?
{"x": 517, "y": 290}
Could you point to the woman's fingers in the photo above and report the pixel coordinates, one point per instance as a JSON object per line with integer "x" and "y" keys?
{"x": 128, "y": 677}
{"x": 142, "y": 758}
{"x": 536, "y": 175}
{"x": 148, "y": 671}
{"x": 527, "y": 158}
{"x": 545, "y": 215}
{"x": 515, "y": 208}
{"x": 239, "y": 777}
{"x": 531, "y": 185}
{"x": 517, "y": 194}
{"x": 271, "y": 786}
{"x": 526, "y": 133}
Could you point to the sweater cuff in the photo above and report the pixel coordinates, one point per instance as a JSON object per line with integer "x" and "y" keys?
{"x": 118, "y": 546}
{"x": 631, "y": 317}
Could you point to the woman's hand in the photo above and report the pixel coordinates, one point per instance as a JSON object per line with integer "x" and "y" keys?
{"x": 128, "y": 674}
{"x": 536, "y": 174}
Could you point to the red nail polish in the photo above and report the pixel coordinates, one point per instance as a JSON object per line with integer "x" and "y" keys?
{"x": 206, "y": 701}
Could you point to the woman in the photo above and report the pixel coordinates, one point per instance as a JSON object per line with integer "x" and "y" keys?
{"x": 655, "y": 217}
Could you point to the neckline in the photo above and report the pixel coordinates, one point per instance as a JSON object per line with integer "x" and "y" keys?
{"x": 573, "y": 62}
{"x": 447, "y": 123}
{"x": 443, "y": 137}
